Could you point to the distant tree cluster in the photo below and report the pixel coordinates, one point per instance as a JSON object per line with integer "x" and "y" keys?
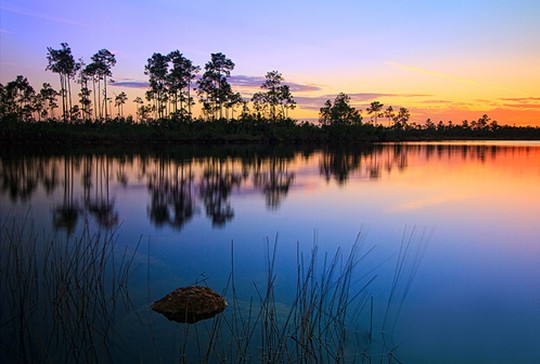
{"x": 62, "y": 62}
{"x": 171, "y": 79}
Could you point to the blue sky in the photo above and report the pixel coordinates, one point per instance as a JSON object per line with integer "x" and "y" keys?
{"x": 445, "y": 59}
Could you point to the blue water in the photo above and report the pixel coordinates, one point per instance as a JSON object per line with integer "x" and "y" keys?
{"x": 468, "y": 288}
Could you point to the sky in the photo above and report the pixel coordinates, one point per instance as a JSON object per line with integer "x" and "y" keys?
{"x": 443, "y": 60}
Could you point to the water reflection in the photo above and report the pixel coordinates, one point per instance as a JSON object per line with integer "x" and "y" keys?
{"x": 183, "y": 184}
{"x": 171, "y": 193}
{"x": 188, "y": 203}
{"x": 66, "y": 214}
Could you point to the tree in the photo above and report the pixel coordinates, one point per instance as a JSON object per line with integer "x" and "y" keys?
{"x": 374, "y": 110}
{"x": 287, "y": 100}
{"x": 325, "y": 113}
{"x": 119, "y": 102}
{"x": 341, "y": 112}
{"x": 401, "y": 120}
{"x": 91, "y": 72}
{"x": 157, "y": 69}
{"x": 277, "y": 96}
{"x": 182, "y": 73}
{"x": 47, "y": 100}
{"x": 18, "y": 99}
{"x": 61, "y": 61}
{"x": 483, "y": 122}
{"x": 84, "y": 93}
{"x": 214, "y": 89}
{"x": 103, "y": 61}
{"x": 389, "y": 114}
{"x": 140, "y": 104}
{"x": 235, "y": 99}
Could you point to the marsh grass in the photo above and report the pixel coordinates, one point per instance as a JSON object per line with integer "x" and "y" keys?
{"x": 331, "y": 319}
{"x": 63, "y": 297}
{"x": 60, "y": 297}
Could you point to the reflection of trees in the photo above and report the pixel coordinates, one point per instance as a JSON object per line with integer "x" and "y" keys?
{"x": 19, "y": 178}
{"x": 216, "y": 185}
{"x": 171, "y": 194}
{"x": 66, "y": 215}
{"x": 275, "y": 180}
{"x": 176, "y": 181}
{"x": 97, "y": 173}
{"x": 338, "y": 164}
{"x": 369, "y": 163}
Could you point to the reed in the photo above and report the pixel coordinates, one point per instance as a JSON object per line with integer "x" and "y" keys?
{"x": 331, "y": 319}
{"x": 60, "y": 297}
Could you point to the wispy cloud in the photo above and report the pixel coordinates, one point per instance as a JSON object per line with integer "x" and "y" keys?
{"x": 357, "y": 99}
{"x": 366, "y": 96}
{"x": 28, "y": 13}
{"x": 436, "y": 102}
{"x": 523, "y": 106}
{"x": 257, "y": 81}
{"x": 522, "y": 99}
{"x": 131, "y": 84}
{"x": 240, "y": 81}
{"x": 433, "y": 73}
{"x": 521, "y": 103}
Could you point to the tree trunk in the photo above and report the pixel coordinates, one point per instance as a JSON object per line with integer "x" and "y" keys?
{"x": 95, "y": 102}
{"x": 105, "y": 94}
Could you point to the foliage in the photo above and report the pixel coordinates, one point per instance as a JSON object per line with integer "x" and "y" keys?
{"x": 276, "y": 98}
{"x": 341, "y": 112}
{"x": 214, "y": 89}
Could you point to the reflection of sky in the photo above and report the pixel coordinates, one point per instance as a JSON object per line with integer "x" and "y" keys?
{"x": 477, "y": 283}
{"x": 444, "y": 60}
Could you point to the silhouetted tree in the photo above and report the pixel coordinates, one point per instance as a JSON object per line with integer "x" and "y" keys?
{"x": 18, "y": 99}
{"x": 401, "y": 120}
{"x": 182, "y": 73}
{"x": 91, "y": 72}
{"x": 47, "y": 96}
{"x": 389, "y": 114}
{"x": 341, "y": 112}
{"x": 214, "y": 89}
{"x": 61, "y": 61}
{"x": 119, "y": 102}
{"x": 141, "y": 115}
{"x": 157, "y": 69}
{"x": 277, "y": 96}
{"x": 104, "y": 60}
{"x": 84, "y": 93}
{"x": 374, "y": 110}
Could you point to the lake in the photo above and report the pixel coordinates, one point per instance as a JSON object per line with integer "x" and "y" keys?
{"x": 432, "y": 248}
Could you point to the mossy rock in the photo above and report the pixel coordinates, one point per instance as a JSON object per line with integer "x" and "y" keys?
{"x": 190, "y": 304}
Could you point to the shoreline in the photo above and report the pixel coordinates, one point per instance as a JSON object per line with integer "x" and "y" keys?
{"x": 234, "y": 132}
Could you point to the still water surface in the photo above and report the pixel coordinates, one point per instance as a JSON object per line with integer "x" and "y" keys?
{"x": 468, "y": 290}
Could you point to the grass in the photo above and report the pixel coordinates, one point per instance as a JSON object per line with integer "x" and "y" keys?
{"x": 61, "y": 299}
{"x": 331, "y": 318}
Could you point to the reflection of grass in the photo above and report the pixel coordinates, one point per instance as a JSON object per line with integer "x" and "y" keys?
{"x": 330, "y": 319}
{"x": 60, "y": 297}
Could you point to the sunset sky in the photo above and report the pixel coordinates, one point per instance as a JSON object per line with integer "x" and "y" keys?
{"x": 444, "y": 60}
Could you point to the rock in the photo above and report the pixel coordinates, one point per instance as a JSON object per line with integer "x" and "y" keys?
{"x": 190, "y": 304}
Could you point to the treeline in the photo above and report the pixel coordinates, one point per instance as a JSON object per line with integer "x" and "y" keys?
{"x": 164, "y": 131}
{"x": 166, "y": 114}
